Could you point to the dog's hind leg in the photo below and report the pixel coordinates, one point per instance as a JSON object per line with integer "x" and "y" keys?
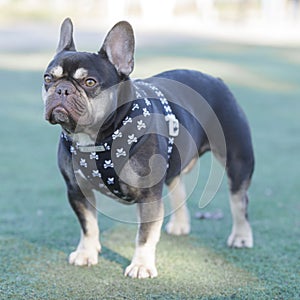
{"x": 179, "y": 223}
{"x": 241, "y": 235}
{"x": 239, "y": 174}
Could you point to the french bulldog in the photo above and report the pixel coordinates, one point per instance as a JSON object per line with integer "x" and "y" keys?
{"x": 128, "y": 138}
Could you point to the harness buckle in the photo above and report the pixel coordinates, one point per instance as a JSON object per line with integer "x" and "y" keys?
{"x": 173, "y": 125}
{"x": 86, "y": 149}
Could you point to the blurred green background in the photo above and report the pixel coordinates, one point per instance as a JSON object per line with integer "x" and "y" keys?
{"x": 256, "y": 54}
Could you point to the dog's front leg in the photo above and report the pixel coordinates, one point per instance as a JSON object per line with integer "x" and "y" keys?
{"x": 83, "y": 202}
{"x": 89, "y": 246}
{"x": 150, "y": 221}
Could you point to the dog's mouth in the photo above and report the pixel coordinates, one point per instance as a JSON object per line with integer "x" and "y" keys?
{"x": 59, "y": 115}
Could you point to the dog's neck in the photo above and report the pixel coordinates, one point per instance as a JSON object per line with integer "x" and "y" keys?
{"x": 125, "y": 96}
{"x": 93, "y": 135}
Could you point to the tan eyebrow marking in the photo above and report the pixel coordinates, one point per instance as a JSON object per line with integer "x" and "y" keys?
{"x": 57, "y": 71}
{"x": 80, "y": 73}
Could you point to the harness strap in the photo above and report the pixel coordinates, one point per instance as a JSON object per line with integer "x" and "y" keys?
{"x": 169, "y": 116}
{"x": 98, "y": 162}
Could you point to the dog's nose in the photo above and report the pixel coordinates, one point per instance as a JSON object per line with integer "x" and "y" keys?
{"x": 61, "y": 91}
{"x": 64, "y": 89}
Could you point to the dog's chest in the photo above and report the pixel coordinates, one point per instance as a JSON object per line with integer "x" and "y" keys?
{"x": 102, "y": 164}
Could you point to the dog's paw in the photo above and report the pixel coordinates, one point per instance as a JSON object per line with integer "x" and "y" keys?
{"x": 140, "y": 271}
{"x": 84, "y": 257}
{"x": 178, "y": 228}
{"x": 241, "y": 239}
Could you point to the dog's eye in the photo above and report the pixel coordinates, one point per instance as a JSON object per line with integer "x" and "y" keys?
{"x": 90, "y": 82}
{"x": 47, "y": 78}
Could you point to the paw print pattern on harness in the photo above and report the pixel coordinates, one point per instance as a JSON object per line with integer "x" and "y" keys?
{"x": 96, "y": 173}
{"x": 108, "y": 164}
{"x": 97, "y": 161}
{"x": 94, "y": 155}
{"x": 120, "y": 152}
{"x": 127, "y": 120}
{"x": 117, "y": 134}
{"x": 83, "y": 163}
{"x": 140, "y": 125}
{"x": 132, "y": 139}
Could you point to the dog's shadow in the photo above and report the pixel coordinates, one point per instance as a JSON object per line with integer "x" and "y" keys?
{"x": 114, "y": 257}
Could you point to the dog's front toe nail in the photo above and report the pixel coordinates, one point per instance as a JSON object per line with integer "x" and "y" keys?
{"x": 236, "y": 241}
{"x": 140, "y": 271}
{"x": 83, "y": 258}
{"x": 143, "y": 273}
{"x": 174, "y": 228}
{"x": 131, "y": 271}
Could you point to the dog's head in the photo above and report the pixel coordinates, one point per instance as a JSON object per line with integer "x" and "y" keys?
{"x": 76, "y": 89}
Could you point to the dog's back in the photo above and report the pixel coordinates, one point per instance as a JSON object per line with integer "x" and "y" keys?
{"x": 201, "y": 103}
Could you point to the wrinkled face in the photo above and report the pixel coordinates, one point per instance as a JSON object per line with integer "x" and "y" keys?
{"x": 75, "y": 90}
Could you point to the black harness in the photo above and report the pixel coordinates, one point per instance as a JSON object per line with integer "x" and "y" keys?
{"x": 101, "y": 164}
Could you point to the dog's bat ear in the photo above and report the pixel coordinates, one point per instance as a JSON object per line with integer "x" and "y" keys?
{"x": 66, "y": 42}
{"x": 118, "y": 46}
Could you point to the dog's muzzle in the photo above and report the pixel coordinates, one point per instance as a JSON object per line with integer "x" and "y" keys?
{"x": 59, "y": 116}
{"x": 56, "y": 109}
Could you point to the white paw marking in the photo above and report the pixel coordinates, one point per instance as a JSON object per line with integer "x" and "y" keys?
{"x": 143, "y": 263}
{"x": 178, "y": 228}
{"x": 141, "y": 271}
{"x": 241, "y": 238}
{"x": 83, "y": 258}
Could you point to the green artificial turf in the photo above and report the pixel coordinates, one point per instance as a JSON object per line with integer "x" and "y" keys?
{"x": 38, "y": 228}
